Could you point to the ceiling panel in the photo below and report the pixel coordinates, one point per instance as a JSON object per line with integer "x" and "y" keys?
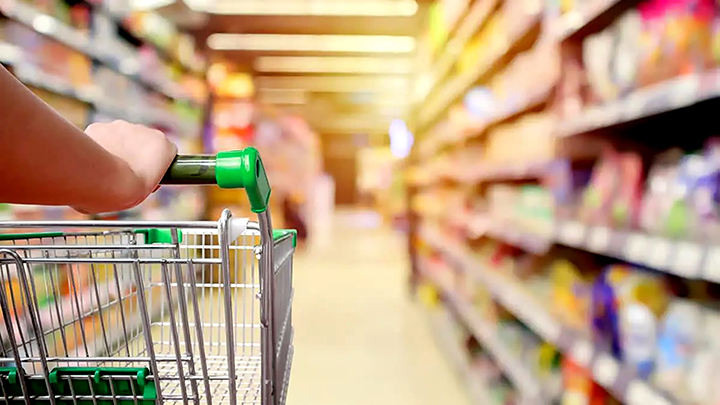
{"x": 340, "y": 91}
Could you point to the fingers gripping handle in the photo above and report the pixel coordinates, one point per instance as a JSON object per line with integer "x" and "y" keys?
{"x": 231, "y": 169}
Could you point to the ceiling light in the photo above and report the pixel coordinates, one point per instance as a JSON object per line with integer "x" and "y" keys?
{"x": 312, "y": 43}
{"x": 342, "y": 84}
{"x": 401, "y": 139}
{"x": 347, "y": 8}
{"x": 332, "y": 64}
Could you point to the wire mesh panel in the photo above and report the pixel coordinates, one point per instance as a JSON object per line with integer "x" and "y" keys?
{"x": 138, "y": 316}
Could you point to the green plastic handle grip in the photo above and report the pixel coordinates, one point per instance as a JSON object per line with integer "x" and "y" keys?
{"x": 230, "y": 169}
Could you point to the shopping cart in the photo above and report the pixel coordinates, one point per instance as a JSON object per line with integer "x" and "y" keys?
{"x": 129, "y": 312}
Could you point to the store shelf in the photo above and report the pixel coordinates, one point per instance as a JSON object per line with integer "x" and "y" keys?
{"x": 663, "y": 97}
{"x": 524, "y": 104}
{"x": 480, "y": 173}
{"x": 106, "y": 105}
{"x": 616, "y": 377}
{"x": 497, "y": 172}
{"x": 457, "y": 355}
{"x": 684, "y": 258}
{"x": 164, "y": 53}
{"x": 503, "y": 113}
{"x": 35, "y": 78}
{"x": 457, "y": 86}
{"x": 531, "y": 242}
{"x": 51, "y": 27}
{"x": 573, "y": 21}
{"x": 479, "y": 11}
{"x": 485, "y": 333}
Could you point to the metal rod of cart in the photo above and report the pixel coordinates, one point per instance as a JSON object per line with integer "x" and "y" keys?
{"x": 146, "y": 312}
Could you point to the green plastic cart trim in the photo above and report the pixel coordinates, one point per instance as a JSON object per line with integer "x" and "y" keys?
{"x": 138, "y": 383}
{"x": 10, "y": 385}
{"x": 244, "y": 169}
{"x": 11, "y": 373}
{"x": 32, "y": 235}
{"x": 280, "y": 233}
{"x": 155, "y": 235}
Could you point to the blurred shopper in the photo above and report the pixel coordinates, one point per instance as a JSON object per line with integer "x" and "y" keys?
{"x": 49, "y": 161}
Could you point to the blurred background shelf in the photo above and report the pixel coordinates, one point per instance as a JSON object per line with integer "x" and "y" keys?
{"x": 458, "y": 85}
{"x": 472, "y": 21}
{"x": 618, "y": 378}
{"x": 81, "y": 42}
{"x": 570, "y": 166}
{"x": 683, "y": 258}
{"x": 663, "y": 97}
{"x": 484, "y": 332}
{"x": 441, "y": 324}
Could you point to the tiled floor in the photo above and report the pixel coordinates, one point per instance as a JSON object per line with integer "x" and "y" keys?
{"x": 358, "y": 338}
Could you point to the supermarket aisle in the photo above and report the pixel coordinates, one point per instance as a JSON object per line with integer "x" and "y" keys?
{"x": 358, "y": 339}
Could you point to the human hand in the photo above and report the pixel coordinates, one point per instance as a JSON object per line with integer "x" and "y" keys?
{"x": 144, "y": 155}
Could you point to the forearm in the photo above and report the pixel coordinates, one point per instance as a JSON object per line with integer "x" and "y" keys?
{"x": 47, "y": 160}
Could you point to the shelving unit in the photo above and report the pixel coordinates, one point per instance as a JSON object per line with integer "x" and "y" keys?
{"x": 469, "y": 25}
{"x": 98, "y": 79}
{"x": 667, "y": 96}
{"x": 83, "y": 43}
{"x": 457, "y": 177}
{"x": 440, "y": 325}
{"x": 456, "y": 87}
{"x": 606, "y": 370}
{"x": 484, "y": 332}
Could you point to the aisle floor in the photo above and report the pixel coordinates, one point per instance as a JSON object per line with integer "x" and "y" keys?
{"x": 358, "y": 338}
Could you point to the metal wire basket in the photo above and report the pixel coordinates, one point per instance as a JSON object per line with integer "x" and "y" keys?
{"x": 118, "y": 312}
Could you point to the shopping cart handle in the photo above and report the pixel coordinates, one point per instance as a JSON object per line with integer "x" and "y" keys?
{"x": 230, "y": 169}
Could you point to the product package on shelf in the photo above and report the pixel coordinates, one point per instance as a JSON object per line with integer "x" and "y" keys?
{"x": 675, "y": 195}
{"x": 647, "y": 45}
{"x": 46, "y": 60}
{"x": 534, "y": 131}
{"x": 650, "y": 323}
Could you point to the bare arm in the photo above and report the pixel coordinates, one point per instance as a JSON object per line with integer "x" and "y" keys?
{"x": 46, "y": 160}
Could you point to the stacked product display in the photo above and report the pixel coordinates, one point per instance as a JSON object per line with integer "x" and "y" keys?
{"x": 100, "y": 61}
{"x": 557, "y": 220}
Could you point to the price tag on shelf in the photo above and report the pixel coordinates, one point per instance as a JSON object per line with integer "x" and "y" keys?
{"x": 582, "y": 352}
{"x": 712, "y": 264}
{"x": 572, "y": 233}
{"x": 636, "y": 247}
{"x": 599, "y": 239}
{"x": 659, "y": 250}
{"x": 605, "y": 370}
{"x": 688, "y": 257}
{"x": 640, "y": 393}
